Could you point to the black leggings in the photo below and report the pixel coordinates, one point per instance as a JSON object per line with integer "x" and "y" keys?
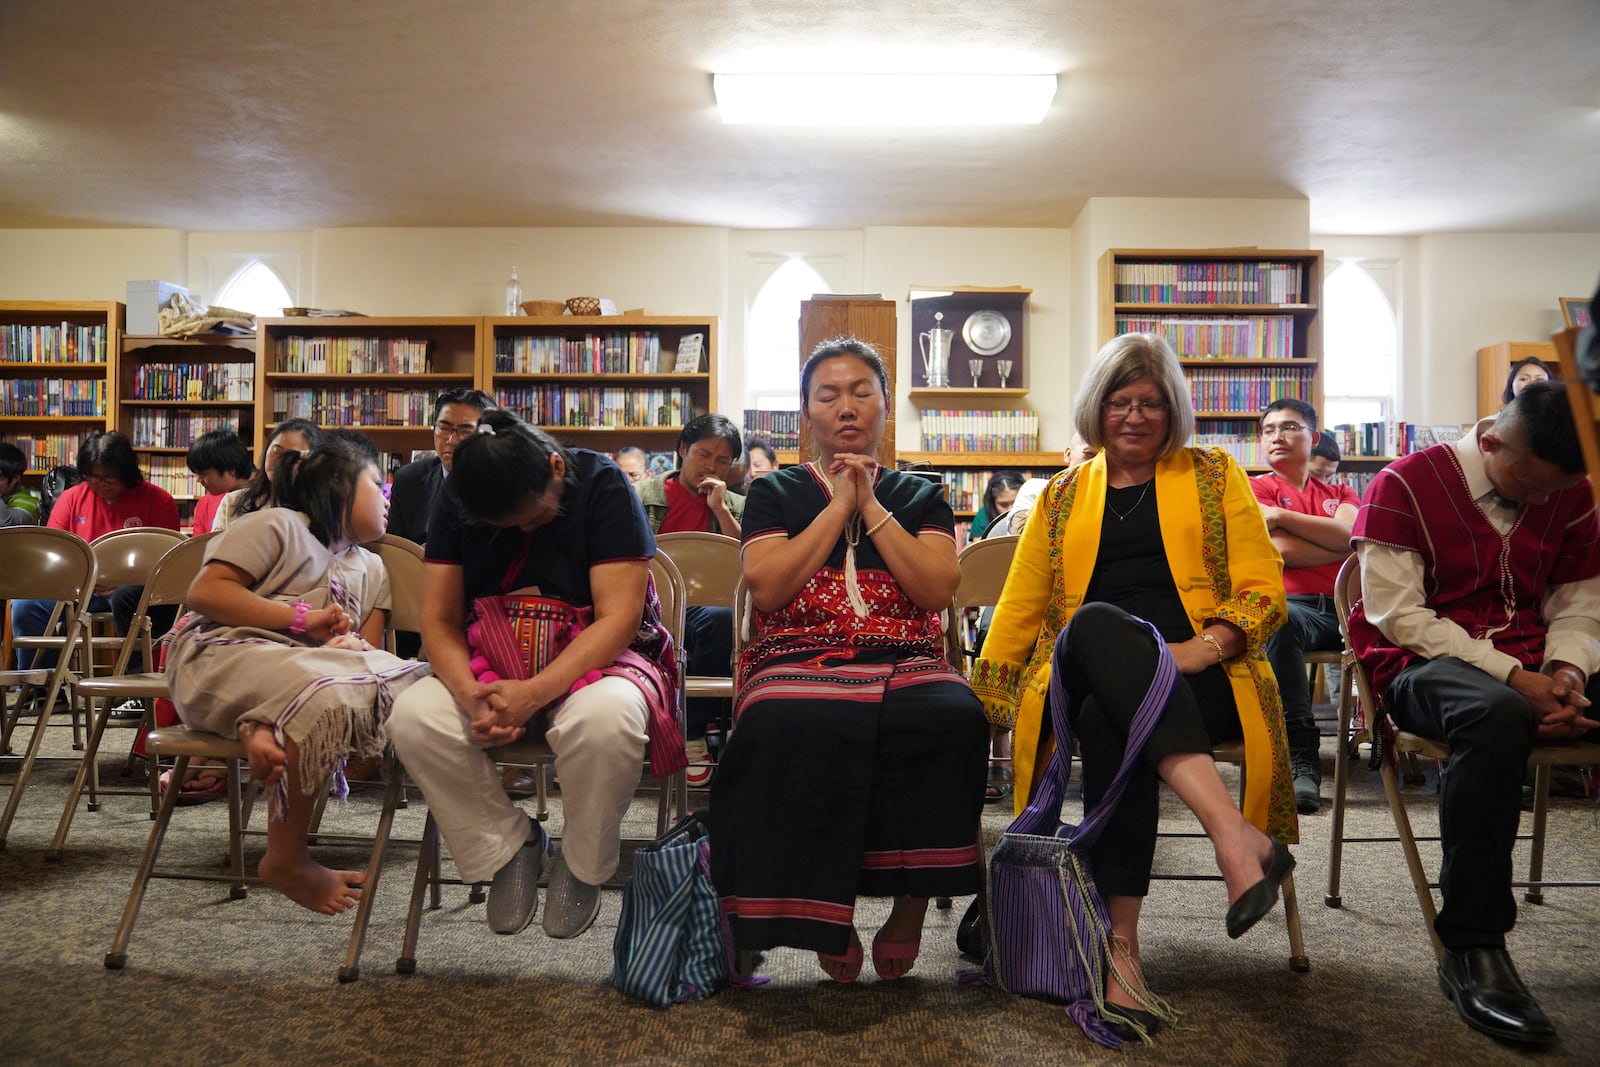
{"x": 1111, "y": 657}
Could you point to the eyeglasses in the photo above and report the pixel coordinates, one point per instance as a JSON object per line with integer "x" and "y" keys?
{"x": 447, "y": 432}
{"x": 1150, "y": 409}
{"x": 1282, "y": 429}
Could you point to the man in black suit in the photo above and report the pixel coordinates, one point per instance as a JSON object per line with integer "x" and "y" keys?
{"x": 455, "y": 414}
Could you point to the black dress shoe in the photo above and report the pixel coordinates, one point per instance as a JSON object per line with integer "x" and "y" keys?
{"x": 1125, "y": 1022}
{"x": 1259, "y": 898}
{"x": 1489, "y": 996}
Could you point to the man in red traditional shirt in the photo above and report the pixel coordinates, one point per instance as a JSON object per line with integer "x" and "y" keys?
{"x": 112, "y": 496}
{"x": 1309, "y": 521}
{"x": 1480, "y": 622}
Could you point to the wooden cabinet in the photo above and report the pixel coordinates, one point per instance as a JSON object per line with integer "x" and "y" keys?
{"x": 872, "y": 319}
{"x": 379, "y": 375}
{"x": 172, "y": 389}
{"x": 1245, "y": 323}
{"x": 55, "y": 385}
{"x": 1494, "y": 367}
{"x": 602, "y": 382}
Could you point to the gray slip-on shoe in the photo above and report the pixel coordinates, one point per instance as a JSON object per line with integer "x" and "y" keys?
{"x": 570, "y": 905}
{"x": 514, "y": 892}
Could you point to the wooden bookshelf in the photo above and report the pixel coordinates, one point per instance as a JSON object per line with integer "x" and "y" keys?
{"x": 1246, "y": 324}
{"x": 601, "y": 382}
{"x": 378, "y": 375}
{"x": 171, "y": 390}
{"x": 1494, "y": 366}
{"x": 52, "y": 349}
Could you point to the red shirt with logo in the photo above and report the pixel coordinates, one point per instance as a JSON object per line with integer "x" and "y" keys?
{"x": 81, "y": 511}
{"x": 1318, "y": 498}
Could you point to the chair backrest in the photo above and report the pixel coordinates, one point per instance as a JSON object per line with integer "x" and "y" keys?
{"x": 126, "y": 557}
{"x": 169, "y": 580}
{"x": 1346, "y": 592}
{"x": 403, "y": 560}
{"x": 673, "y": 592}
{"x": 709, "y": 563}
{"x": 43, "y": 563}
{"x": 984, "y": 566}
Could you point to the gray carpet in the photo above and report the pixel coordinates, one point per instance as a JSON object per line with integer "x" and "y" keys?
{"x": 213, "y": 981}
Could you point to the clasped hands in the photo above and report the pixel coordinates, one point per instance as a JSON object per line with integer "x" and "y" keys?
{"x": 852, "y": 476}
{"x": 500, "y": 710}
{"x": 333, "y": 628}
{"x": 1556, "y": 697}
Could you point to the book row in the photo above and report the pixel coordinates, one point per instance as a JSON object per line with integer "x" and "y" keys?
{"x": 66, "y": 343}
{"x": 1210, "y": 282}
{"x": 965, "y": 488}
{"x": 615, "y": 352}
{"x": 72, "y": 397}
{"x": 1225, "y": 389}
{"x": 1239, "y": 438}
{"x": 45, "y": 450}
{"x": 980, "y": 431}
{"x": 171, "y": 473}
{"x": 168, "y": 428}
{"x": 591, "y": 406}
{"x": 780, "y": 428}
{"x": 1250, "y": 337}
{"x": 194, "y": 381}
{"x": 351, "y": 355}
{"x": 363, "y": 406}
{"x": 1391, "y": 438}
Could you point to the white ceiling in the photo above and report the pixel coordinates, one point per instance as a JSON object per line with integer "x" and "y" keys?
{"x": 1390, "y": 116}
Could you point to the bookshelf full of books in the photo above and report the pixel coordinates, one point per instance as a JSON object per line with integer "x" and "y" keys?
{"x": 172, "y": 390}
{"x": 603, "y": 382}
{"x": 1245, "y": 324}
{"x": 381, "y": 375}
{"x": 54, "y": 384}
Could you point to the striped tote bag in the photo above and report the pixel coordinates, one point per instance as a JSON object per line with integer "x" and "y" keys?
{"x": 670, "y": 944}
{"x": 1046, "y": 924}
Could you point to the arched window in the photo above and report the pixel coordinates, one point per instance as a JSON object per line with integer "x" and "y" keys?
{"x": 1361, "y": 344}
{"x": 772, "y": 336}
{"x": 255, "y": 288}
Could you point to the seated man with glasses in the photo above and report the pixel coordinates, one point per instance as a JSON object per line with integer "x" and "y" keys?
{"x": 455, "y": 414}
{"x": 696, "y": 497}
{"x": 1309, "y": 521}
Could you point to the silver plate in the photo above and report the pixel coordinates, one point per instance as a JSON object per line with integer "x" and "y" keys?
{"x": 986, "y": 332}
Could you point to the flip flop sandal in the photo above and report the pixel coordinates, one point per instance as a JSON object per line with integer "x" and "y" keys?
{"x": 202, "y": 785}
{"x": 885, "y": 951}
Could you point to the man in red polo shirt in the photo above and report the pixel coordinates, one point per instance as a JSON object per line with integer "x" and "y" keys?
{"x": 1309, "y": 521}
{"x": 112, "y": 496}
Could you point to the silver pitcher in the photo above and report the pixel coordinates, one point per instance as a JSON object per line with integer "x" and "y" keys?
{"x": 935, "y": 348}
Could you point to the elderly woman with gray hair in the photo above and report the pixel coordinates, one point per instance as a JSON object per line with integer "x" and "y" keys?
{"x": 1149, "y": 538}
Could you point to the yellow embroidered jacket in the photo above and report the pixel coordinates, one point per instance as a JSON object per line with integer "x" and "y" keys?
{"x": 1226, "y": 569}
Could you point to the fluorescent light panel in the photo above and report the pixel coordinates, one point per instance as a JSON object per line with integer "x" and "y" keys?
{"x": 883, "y": 99}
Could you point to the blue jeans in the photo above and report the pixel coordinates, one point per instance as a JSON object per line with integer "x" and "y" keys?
{"x": 707, "y": 651}
{"x": 1313, "y": 626}
{"x": 29, "y": 618}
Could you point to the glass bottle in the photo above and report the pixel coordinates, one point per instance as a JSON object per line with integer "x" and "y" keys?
{"x": 513, "y": 294}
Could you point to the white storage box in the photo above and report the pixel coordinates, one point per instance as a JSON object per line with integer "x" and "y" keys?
{"x": 144, "y": 300}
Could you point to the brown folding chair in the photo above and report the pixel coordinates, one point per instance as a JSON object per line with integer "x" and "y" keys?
{"x": 41, "y": 563}
{"x": 535, "y": 753}
{"x": 403, "y": 560}
{"x": 711, "y": 569}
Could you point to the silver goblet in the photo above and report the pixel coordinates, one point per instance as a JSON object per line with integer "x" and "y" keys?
{"x": 976, "y": 367}
{"x": 1004, "y": 366}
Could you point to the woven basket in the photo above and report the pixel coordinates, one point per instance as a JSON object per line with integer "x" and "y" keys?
{"x": 542, "y": 307}
{"x": 583, "y": 305}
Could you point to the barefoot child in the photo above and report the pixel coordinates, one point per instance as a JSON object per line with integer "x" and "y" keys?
{"x": 280, "y": 649}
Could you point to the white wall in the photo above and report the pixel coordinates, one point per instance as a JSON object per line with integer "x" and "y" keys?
{"x": 88, "y": 265}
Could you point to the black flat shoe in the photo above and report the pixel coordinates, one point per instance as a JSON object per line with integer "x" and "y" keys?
{"x": 1259, "y": 898}
{"x": 1121, "y": 1020}
{"x": 1488, "y": 994}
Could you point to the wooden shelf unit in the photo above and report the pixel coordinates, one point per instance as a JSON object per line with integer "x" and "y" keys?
{"x": 1494, "y": 366}
{"x": 171, "y": 390}
{"x": 644, "y": 348}
{"x": 1174, "y": 276}
{"x": 50, "y": 437}
{"x": 290, "y": 380}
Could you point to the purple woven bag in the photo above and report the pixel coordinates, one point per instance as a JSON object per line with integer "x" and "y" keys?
{"x": 1048, "y": 931}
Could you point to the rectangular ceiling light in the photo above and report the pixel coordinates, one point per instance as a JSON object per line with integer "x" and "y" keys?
{"x": 883, "y": 99}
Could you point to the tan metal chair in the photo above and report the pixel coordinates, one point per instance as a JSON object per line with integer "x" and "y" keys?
{"x": 165, "y": 584}
{"x": 984, "y": 566}
{"x": 403, "y": 560}
{"x": 41, "y": 563}
{"x": 711, "y": 569}
{"x": 534, "y": 753}
{"x": 1355, "y": 729}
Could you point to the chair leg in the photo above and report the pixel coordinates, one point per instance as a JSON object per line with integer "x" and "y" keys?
{"x": 1341, "y": 781}
{"x": 1408, "y": 844}
{"x": 1534, "y": 894}
{"x": 394, "y": 785}
{"x": 85, "y": 773}
{"x": 34, "y": 742}
{"x": 118, "y": 956}
{"x": 236, "y": 824}
{"x": 542, "y": 809}
{"x": 1299, "y": 962}
{"x": 427, "y": 872}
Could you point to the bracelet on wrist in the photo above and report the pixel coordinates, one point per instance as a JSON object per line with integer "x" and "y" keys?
{"x": 301, "y": 610}
{"x": 887, "y": 515}
{"x": 1211, "y": 639}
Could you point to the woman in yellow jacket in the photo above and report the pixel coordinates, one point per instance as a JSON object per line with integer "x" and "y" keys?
{"x": 1148, "y": 537}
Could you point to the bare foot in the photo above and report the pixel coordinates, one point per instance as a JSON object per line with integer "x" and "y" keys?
{"x": 267, "y": 758}
{"x": 311, "y": 885}
{"x": 1243, "y": 858}
{"x": 903, "y": 927}
{"x": 846, "y": 968}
